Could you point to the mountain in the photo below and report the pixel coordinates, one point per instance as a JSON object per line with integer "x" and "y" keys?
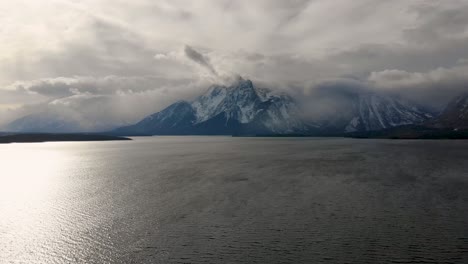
{"x": 239, "y": 108}
{"x": 44, "y": 137}
{"x": 243, "y": 109}
{"x": 352, "y": 110}
{"x": 454, "y": 116}
{"x": 375, "y": 112}
{"x": 61, "y": 119}
{"x": 451, "y": 123}
{"x": 177, "y": 119}
{"x": 44, "y": 122}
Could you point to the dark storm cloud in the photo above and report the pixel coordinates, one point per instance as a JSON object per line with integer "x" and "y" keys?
{"x": 198, "y": 58}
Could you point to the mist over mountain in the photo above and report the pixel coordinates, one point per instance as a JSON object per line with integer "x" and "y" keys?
{"x": 355, "y": 108}
{"x": 240, "y": 107}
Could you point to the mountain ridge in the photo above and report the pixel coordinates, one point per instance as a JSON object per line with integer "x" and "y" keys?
{"x": 451, "y": 123}
{"x": 243, "y": 109}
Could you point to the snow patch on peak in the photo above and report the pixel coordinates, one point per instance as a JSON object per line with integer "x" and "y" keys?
{"x": 238, "y": 101}
{"x": 206, "y": 105}
{"x": 380, "y": 112}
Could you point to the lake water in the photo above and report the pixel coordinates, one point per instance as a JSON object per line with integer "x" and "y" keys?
{"x": 234, "y": 200}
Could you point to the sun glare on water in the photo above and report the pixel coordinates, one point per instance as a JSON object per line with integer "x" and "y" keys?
{"x": 30, "y": 177}
{"x": 28, "y": 173}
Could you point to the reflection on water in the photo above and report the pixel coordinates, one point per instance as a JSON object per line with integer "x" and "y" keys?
{"x": 234, "y": 200}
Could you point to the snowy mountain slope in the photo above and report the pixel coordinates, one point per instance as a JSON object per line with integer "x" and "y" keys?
{"x": 238, "y": 101}
{"x": 364, "y": 110}
{"x": 375, "y": 112}
{"x": 451, "y": 123}
{"x": 175, "y": 119}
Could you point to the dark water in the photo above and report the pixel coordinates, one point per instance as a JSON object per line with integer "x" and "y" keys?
{"x": 234, "y": 200}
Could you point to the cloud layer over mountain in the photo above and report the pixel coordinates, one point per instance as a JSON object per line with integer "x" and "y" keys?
{"x": 116, "y": 61}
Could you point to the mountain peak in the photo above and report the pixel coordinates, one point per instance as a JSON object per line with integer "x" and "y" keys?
{"x": 235, "y": 109}
{"x": 235, "y": 101}
{"x": 241, "y": 83}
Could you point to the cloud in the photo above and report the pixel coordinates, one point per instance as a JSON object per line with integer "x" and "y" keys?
{"x": 121, "y": 52}
{"x": 435, "y": 87}
{"x": 160, "y": 56}
{"x": 198, "y": 58}
{"x": 102, "y": 101}
{"x": 295, "y": 38}
{"x": 439, "y": 21}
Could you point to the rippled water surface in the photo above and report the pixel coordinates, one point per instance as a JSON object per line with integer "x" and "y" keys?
{"x": 234, "y": 200}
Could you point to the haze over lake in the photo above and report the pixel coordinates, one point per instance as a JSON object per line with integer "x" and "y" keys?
{"x": 234, "y": 200}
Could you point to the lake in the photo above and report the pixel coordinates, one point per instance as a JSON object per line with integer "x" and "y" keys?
{"x": 234, "y": 200}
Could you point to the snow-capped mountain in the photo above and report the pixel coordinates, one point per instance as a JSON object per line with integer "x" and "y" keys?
{"x": 451, "y": 123}
{"x": 243, "y": 109}
{"x": 352, "y": 110}
{"x": 239, "y": 108}
{"x": 44, "y": 123}
{"x": 57, "y": 120}
{"x": 375, "y": 112}
{"x": 454, "y": 116}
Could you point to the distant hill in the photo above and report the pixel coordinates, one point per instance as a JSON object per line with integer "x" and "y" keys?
{"x": 45, "y": 122}
{"x": 43, "y": 137}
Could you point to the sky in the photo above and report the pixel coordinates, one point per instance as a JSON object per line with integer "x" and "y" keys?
{"x": 112, "y": 62}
